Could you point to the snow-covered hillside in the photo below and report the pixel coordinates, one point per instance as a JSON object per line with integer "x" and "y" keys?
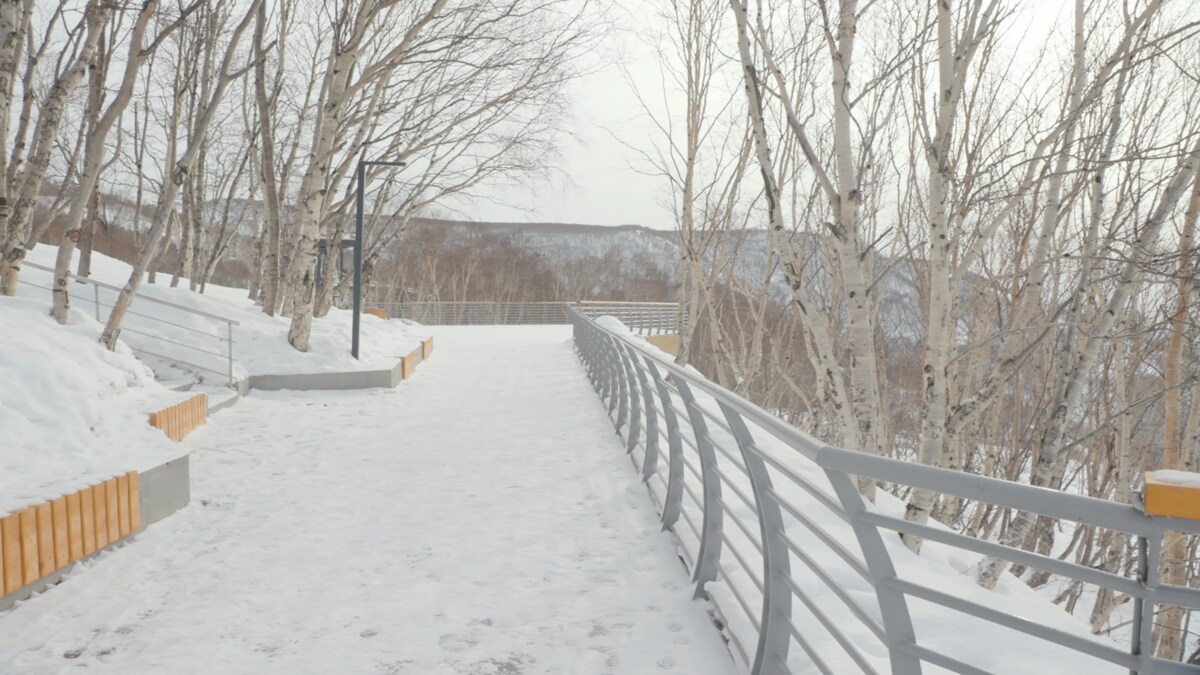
{"x": 259, "y": 341}
{"x": 72, "y": 412}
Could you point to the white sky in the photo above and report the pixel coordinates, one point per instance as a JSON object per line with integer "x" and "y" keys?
{"x": 595, "y": 180}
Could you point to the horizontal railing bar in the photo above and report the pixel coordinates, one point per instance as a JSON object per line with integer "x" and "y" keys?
{"x": 812, "y": 653}
{"x": 1038, "y": 630}
{"x": 737, "y": 491}
{"x": 855, "y": 608}
{"x": 1180, "y": 596}
{"x": 733, "y": 459}
{"x": 817, "y": 493}
{"x": 695, "y": 530}
{"x": 175, "y": 360}
{"x": 737, "y": 642}
{"x": 750, "y": 535}
{"x": 847, "y": 646}
{"x": 745, "y": 564}
{"x": 1043, "y": 501}
{"x": 1089, "y": 575}
{"x": 742, "y": 602}
{"x": 828, "y": 539}
{"x": 937, "y": 659}
{"x": 140, "y": 296}
{"x": 687, "y": 489}
{"x": 172, "y": 323}
{"x": 173, "y": 342}
{"x": 1165, "y": 667}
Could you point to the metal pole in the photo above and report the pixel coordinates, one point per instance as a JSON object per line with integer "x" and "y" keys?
{"x": 358, "y": 246}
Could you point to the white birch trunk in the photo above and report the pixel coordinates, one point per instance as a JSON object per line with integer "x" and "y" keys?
{"x": 50, "y": 117}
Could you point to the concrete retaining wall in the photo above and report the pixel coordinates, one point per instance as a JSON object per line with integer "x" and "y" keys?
{"x": 363, "y": 379}
{"x": 40, "y": 545}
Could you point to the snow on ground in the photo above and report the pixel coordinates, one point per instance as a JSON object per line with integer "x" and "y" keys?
{"x": 260, "y": 341}
{"x": 482, "y": 518}
{"x": 71, "y": 412}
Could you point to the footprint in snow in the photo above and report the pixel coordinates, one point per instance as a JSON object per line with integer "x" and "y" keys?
{"x": 457, "y": 643}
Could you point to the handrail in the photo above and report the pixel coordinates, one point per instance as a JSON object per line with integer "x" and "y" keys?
{"x": 794, "y": 480}
{"x": 226, "y": 341}
{"x": 118, "y": 289}
{"x": 644, "y": 317}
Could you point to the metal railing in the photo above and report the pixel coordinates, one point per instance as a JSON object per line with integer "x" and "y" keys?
{"x": 778, "y": 537}
{"x": 199, "y": 347}
{"x": 644, "y": 317}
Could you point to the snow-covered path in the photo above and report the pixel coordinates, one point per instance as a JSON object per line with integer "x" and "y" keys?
{"x": 482, "y": 518}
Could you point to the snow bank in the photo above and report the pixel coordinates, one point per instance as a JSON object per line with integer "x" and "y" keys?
{"x": 1171, "y": 477}
{"x": 71, "y": 412}
{"x": 260, "y": 341}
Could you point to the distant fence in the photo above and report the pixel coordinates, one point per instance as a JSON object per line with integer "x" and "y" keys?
{"x": 777, "y": 536}
{"x": 647, "y": 318}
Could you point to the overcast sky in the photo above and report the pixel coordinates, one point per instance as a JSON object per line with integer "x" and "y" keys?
{"x": 592, "y": 182}
{"x": 595, "y": 180}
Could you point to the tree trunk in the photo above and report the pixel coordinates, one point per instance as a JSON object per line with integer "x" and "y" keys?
{"x": 1169, "y": 621}
{"x": 50, "y": 117}
{"x": 1049, "y": 462}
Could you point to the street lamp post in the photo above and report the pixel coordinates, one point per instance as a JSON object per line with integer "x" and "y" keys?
{"x": 358, "y": 247}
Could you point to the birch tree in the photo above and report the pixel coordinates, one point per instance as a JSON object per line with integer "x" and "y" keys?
{"x": 93, "y": 156}
{"x": 50, "y": 117}
{"x": 225, "y": 74}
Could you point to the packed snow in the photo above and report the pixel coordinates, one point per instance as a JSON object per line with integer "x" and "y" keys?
{"x": 482, "y": 518}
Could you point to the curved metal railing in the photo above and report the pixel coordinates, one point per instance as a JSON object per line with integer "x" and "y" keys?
{"x": 776, "y": 534}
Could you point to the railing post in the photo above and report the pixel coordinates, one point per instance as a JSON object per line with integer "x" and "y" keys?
{"x": 893, "y": 607}
{"x": 229, "y": 351}
{"x": 710, "y": 535}
{"x": 650, "y": 459}
{"x": 610, "y": 373}
{"x": 1149, "y": 553}
{"x": 774, "y": 638}
{"x": 96, "y": 290}
{"x": 622, "y": 399}
{"x": 674, "y": 496}
{"x": 635, "y": 403}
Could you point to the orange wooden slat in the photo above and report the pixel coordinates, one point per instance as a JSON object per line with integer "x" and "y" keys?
{"x": 100, "y": 503}
{"x": 10, "y": 526}
{"x": 45, "y": 527}
{"x": 123, "y": 505}
{"x": 135, "y": 503}
{"x": 30, "y": 569}
{"x": 87, "y": 512}
{"x": 1, "y": 561}
{"x": 58, "y": 509}
{"x": 74, "y": 527}
{"x": 114, "y": 518}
